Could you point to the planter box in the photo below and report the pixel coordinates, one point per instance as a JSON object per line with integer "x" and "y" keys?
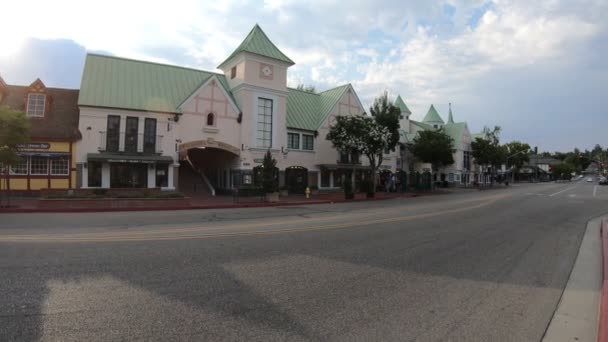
{"x": 113, "y": 203}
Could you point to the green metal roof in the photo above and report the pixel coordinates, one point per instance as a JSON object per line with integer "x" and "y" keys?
{"x": 257, "y": 42}
{"x": 115, "y": 82}
{"x": 450, "y": 116}
{"x": 432, "y": 116}
{"x": 422, "y": 125}
{"x": 306, "y": 110}
{"x": 399, "y": 103}
{"x": 455, "y": 131}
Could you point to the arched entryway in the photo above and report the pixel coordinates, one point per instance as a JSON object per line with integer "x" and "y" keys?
{"x": 296, "y": 179}
{"x": 207, "y": 167}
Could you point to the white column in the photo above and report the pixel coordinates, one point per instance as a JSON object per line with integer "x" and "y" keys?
{"x": 170, "y": 177}
{"x": 151, "y": 175}
{"x": 85, "y": 175}
{"x": 105, "y": 175}
{"x": 331, "y": 179}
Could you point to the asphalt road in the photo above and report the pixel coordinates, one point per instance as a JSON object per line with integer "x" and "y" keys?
{"x": 469, "y": 266}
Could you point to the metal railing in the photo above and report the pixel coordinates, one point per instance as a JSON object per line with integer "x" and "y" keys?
{"x": 130, "y": 143}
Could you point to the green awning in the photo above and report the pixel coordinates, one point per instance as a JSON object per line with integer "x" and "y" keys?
{"x": 122, "y": 158}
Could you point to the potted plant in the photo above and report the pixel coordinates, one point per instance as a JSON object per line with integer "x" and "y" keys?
{"x": 269, "y": 178}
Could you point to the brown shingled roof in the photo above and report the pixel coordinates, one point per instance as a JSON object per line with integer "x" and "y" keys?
{"x": 60, "y": 120}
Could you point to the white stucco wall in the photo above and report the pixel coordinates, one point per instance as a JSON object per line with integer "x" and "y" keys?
{"x": 95, "y": 120}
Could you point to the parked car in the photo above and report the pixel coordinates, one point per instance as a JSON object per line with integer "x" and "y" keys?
{"x": 604, "y": 181}
{"x": 589, "y": 180}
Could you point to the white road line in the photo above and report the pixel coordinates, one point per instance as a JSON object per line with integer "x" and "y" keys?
{"x": 572, "y": 195}
{"x": 559, "y": 192}
{"x": 594, "y": 190}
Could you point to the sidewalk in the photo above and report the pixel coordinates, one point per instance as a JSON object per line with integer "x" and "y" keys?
{"x": 30, "y": 205}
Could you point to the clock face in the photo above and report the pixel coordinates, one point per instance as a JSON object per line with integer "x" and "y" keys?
{"x": 266, "y": 71}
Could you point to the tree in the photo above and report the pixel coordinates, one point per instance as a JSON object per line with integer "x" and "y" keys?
{"x": 307, "y": 88}
{"x": 434, "y": 147}
{"x": 387, "y": 115}
{"x": 487, "y": 150}
{"x": 518, "y": 154}
{"x": 563, "y": 170}
{"x": 269, "y": 179}
{"x": 361, "y": 134}
{"x": 14, "y": 130}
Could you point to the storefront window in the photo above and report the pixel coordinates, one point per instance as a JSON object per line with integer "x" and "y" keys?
{"x": 337, "y": 179}
{"x": 20, "y": 168}
{"x": 39, "y": 166}
{"x": 125, "y": 175}
{"x": 162, "y": 175}
{"x": 94, "y": 174}
{"x": 325, "y": 174}
{"x": 60, "y": 166}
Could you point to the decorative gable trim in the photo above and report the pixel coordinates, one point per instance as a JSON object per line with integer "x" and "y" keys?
{"x": 347, "y": 89}
{"x": 206, "y": 83}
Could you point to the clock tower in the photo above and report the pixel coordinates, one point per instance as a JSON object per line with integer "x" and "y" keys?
{"x": 256, "y": 73}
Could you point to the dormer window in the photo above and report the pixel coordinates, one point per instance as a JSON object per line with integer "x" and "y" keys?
{"x": 35, "y": 105}
{"x": 210, "y": 119}
{"x": 233, "y": 72}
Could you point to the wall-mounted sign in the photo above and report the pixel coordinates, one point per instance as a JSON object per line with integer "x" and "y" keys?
{"x": 258, "y": 160}
{"x": 131, "y": 161}
{"x": 246, "y": 164}
{"x": 38, "y": 146}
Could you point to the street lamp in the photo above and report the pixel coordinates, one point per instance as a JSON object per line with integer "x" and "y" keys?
{"x": 507, "y": 163}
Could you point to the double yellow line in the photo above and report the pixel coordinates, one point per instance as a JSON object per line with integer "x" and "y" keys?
{"x": 199, "y": 232}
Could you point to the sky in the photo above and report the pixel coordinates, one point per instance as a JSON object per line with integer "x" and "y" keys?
{"x": 538, "y": 69}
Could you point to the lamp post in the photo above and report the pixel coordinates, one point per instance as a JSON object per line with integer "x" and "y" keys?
{"x": 507, "y": 164}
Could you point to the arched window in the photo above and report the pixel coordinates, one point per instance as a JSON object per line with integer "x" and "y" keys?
{"x": 210, "y": 119}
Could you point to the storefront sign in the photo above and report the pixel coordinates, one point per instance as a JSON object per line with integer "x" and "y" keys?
{"x": 38, "y": 146}
{"x": 131, "y": 161}
{"x": 258, "y": 160}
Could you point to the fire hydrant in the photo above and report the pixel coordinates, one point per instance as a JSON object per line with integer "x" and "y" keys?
{"x": 307, "y": 192}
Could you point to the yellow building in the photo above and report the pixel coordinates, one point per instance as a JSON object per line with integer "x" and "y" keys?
{"x": 47, "y": 160}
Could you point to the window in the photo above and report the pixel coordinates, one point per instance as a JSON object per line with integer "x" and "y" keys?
{"x": 60, "y": 166}
{"x": 308, "y": 142}
{"x": 94, "y": 174}
{"x": 113, "y": 133}
{"x": 343, "y": 158}
{"x": 131, "y": 134}
{"x": 233, "y": 72}
{"x": 466, "y": 162}
{"x": 264, "y": 137}
{"x": 35, "y": 104}
{"x": 293, "y": 141}
{"x": 325, "y": 178}
{"x": 19, "y": 168}
{"x": 39, "y": 166}
{"x": 337, "y": 179}
{"x": 354, "y": 158}
{"x": 162, "y": 175}
{"x": 210, "y": 119}
{"x": 149, "y": 135}
{"x": 450, "y": 177}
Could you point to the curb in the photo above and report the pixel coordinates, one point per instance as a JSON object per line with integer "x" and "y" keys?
{"x": 199, "y": 207}
{"x": 602, "y": 334}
